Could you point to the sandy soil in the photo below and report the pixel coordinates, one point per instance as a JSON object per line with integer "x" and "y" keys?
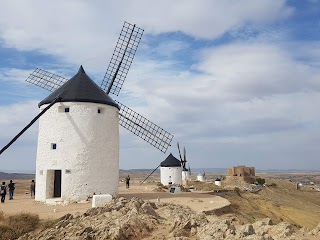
{"x": 22, "y": 201}
{"x": 197, "y": 201}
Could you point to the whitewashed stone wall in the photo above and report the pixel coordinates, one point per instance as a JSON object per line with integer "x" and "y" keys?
{"x": 218, "y": 183}
{"x": 201, "y": 177}
{"x": 185, "y": 176}
{"x": 87, "y": 151}
{"x": 174, "y": 172}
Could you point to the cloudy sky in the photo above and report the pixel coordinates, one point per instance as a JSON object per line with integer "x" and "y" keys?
{"x": 235, "y": 82}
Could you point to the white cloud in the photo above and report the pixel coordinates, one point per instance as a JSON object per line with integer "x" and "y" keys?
{"x": 14, "y": 75}
{"x": 256, "y": 70}
{"x": 207, "y": 18}
{"x": 77, "y": 30}
{"x": 15, "y": 117}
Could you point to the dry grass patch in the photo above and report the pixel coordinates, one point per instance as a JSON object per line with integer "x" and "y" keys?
{"x": 14, "y": 226}
{"x": 7, "y": 232}
{"x": 1, "y": 216}
{"x": 203, "y": 186}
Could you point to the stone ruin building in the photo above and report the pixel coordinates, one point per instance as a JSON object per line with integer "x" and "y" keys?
{"x": 241, "y": 171}
{"x": 240, "y": 176}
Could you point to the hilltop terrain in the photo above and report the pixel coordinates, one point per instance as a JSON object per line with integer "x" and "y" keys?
{"x": 8, "y": 176}
{"x": 137, "y": 219}
{"x": 277, "y": 211}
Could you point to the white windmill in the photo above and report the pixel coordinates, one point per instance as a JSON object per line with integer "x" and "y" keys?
{"x": 78, "y": 144}
{"x": 170, "y": 171}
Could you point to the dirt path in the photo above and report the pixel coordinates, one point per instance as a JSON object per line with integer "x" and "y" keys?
{"x": 23, "y": 203}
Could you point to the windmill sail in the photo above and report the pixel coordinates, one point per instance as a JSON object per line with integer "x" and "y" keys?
{"x": 179, "y": 151}
{"x": 129, "y": 119}
{"x": 184, "y": 158}
{"x": 143, "y": 128}
{"x": 122, "y": 58}
{"x": 46, "y": 80}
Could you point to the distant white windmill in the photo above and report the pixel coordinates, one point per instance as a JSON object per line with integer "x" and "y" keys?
{"x": 170, "y": 171}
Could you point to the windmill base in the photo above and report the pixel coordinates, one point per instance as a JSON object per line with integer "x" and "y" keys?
{"x": 175, "y": 190}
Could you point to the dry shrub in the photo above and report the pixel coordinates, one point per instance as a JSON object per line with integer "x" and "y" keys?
{"x": 160, "y": 185}
{"x": 7, "y": 232}
{"x": 237, "y": 190}
{"x": 183, "y": 189}
{"x": 159, "y": 189}
{"x": 22, "y": 222}
{"x": 1, "y": 216}
{"x": 203, "y": 186}
{"x": 14, "y": 226}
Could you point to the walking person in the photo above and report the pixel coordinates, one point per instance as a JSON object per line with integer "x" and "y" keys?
{"x": 127, "y": 181}
{"x": 3, "y": 191}
{"x": 32, "y": 189}
{"x": 11, "y": 189}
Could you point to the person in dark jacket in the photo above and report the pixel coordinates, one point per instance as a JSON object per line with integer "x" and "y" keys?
{"x": 128, "y": 181}
{"x": 11, "y": 189}
{"x": 3, "y": 191}
{"x": 32, "y": 189}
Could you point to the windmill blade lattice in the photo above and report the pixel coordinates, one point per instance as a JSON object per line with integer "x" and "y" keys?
{"x": 184, "y": 154}
{"x": 46, "y": 80}
{"x": 122, "y": 58}
{"x": 143, "y": 128}
{"x": 179, "y": 151}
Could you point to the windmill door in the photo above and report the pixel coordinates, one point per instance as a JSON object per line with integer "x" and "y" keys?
{"x": 57, "y": 183}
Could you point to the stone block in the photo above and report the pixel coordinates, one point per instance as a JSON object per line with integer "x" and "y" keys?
{"x": 101, "y": 200}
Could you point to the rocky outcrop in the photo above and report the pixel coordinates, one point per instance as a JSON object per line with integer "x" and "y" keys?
{"x": 137, "y": 219}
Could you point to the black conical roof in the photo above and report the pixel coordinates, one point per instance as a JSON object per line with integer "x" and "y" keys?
{"x": 171, "y": 161}
{"x": 80, "y": 88}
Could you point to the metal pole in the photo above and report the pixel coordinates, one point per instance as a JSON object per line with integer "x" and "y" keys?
{"x": 149, "y": 175}
{"x": 29, "y": 125}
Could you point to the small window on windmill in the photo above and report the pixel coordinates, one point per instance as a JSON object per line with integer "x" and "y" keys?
{"x": 100, "y": 110}
{"x": 68, "y": 171}
{"x": 63, "y": 109}
{"x": 53, "y": 146}
{"x": 41, "y": 172}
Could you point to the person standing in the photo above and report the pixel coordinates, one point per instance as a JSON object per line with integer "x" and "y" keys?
{"x": 33, "y": 188}
{"x": 3, "y": 191}
{"x": 127, "y": 181}
{"x": 11, "y": 189}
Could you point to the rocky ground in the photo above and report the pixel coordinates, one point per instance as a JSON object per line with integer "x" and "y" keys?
{"x": 138, "y": 219}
